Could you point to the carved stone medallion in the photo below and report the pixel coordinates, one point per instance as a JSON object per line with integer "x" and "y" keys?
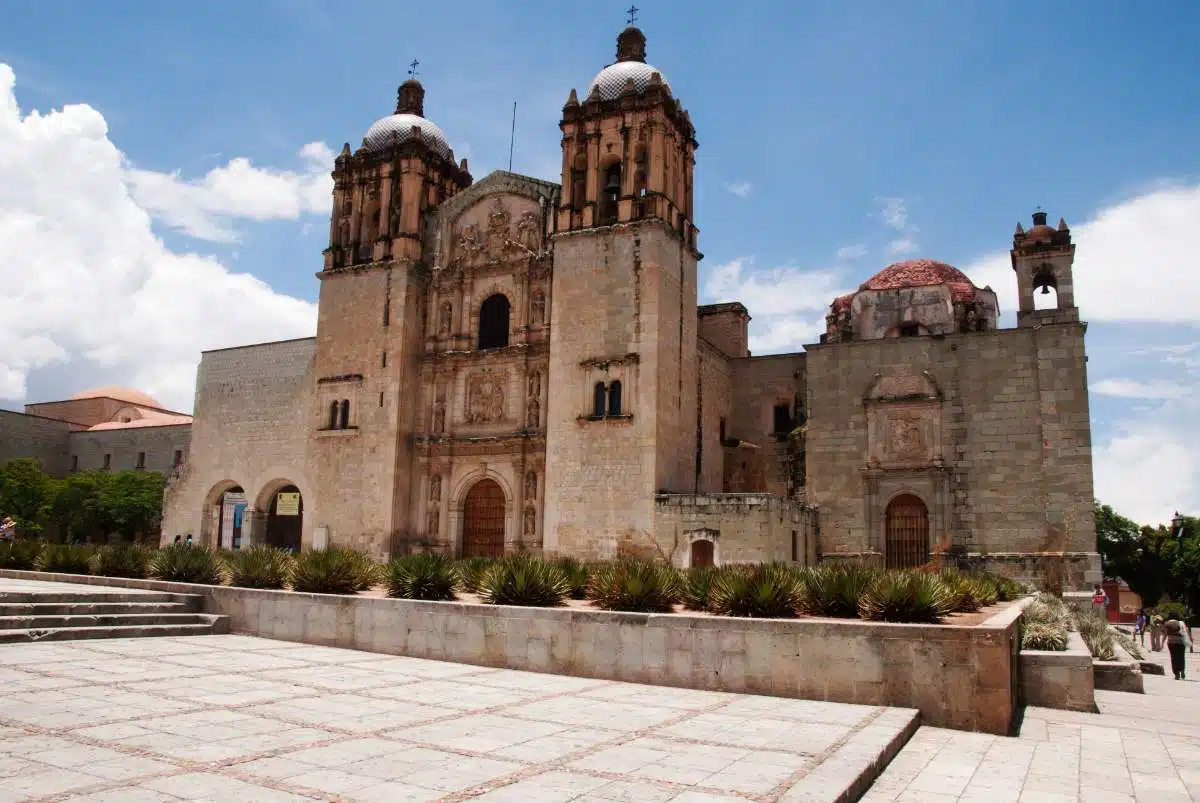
{"x": 485, "y": 398}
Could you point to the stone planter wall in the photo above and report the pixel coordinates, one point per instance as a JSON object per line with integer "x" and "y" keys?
{"x": 957, "y": 676}
{"x": 1123, "y": 674}
{"x": 1053, "y": 679}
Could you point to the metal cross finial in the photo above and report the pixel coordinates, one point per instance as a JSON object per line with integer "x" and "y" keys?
{"x": 632, "y": 12}
{"x": 412, "y": 68}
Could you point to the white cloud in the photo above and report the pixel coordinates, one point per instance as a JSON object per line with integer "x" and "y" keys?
{"x": 902, "y": 245}
{"x": 204, "y": 207}
{"x": 85, "y": 281}
{"x": 850, "y": 252}
{"x": 1134, "y": 389}
{"x": 894, "y": 212}
{"x": 740, "y": 189}
{"x": 1150, "y": 467}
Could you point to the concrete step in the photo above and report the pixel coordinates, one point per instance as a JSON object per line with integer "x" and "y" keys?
{"x": 47, "y": 622}
{"x": 116, "y": 595}
{"x": 215, "y": 625}
{"x": 89, "y": 608}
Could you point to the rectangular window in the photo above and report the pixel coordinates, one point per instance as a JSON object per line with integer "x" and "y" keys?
{"x": 74, "y": 462}
{"x": 381, "y": 398}
{"x": 383, "y": 360}
{"x": 141, "y": 463}
{"x": 387, "y": 312}
{"x": 783, "y": 419}
{"x": 722, "y": 436}
{"x": 178, "y": 458}
{"x": 795, "y": 547}
{"x": 107, "y": 462}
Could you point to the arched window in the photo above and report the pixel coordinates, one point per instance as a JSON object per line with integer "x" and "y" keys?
{"x": 906, "y": 532}
{"x": 333, "y": 415}
{"x": 493, "y": 322}
{"x": 611, "y": 193}
{"x": 599, "y": 394}
{"x": 614, "y": 397}
{"x": 1045, "y": 289}
{"x": 579, "y": 181}
{"x": 344, "y": 417}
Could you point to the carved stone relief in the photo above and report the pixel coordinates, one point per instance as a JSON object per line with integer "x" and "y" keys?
{"x": 535, "y": 384}
{"x": 497, "y": 230}
{"x": 445, "y": 314}
{"x": 434, "y": 521}
{"x": 485, "y": 398}
{"x": 490, "y": 236}
{"x": 534, "y": 414}
{"x": 537, "y": 309}
{"x": 906, "y": 436}
{"x": 531, "y": 485}
{"x": 439, "y": 414}
{"x": 435, "y": 488}
{"x": 530, "y": 528}
{"x": 528, "y": 233}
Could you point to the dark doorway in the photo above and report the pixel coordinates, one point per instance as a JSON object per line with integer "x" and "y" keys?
{"x": 493, "y": 322}
{"x": 907, "y": 533}
{"x": 285, "y": 519}
{"x": 702, "y": 553}
{"x": 483, "y": 521}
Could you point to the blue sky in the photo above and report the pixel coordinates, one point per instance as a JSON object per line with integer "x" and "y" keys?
{"x": 834, "y": 139}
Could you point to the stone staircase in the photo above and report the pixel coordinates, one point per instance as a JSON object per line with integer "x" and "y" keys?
{"x": 62, "y": 616}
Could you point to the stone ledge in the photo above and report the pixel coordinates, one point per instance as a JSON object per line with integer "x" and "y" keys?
{"x": 1059, "y": 679}
{"x": 1123, "y": 674}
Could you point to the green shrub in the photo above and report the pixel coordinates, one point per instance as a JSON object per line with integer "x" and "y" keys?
{"x": 370, "y": 573}
{"x": 768, "y": 591}
{"x": 1043, "y": 636}
{"x": 1096, "y": 634}
{"x": 259, "y": 567}
{"x": 181, "y": 563}
{"x": 1165, "y": 609}
{"x": 835, "y": 590}
{"x": 963, "y": 593}
{"x": 524, "y": 580}
{"x": 577, "y": 575}
{"x": 1008, "y": 589}
{"x": 121, "y": 560}
{"x": 634, "y": 585}
{"x": 428, "y": 577}
{"x": 906, "y": 596}
{"x": 471, "y": 571}
{"x": 21, "y": 553}
{"x": 697, "y": 587}
{"x": 65, "y": 558}
{"x": 333, "y": 570}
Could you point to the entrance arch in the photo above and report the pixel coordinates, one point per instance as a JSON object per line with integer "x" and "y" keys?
{"x": 484, "y": 514}
{"x": 225, "y": 507}
{"x": 285, "y": 519}
{"x": 907, "y": 532}
{"x": 702, "y": 553}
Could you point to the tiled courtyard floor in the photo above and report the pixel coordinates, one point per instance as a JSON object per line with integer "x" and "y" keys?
{"x": 233, "y": 718}
{"x": 1139, "y": 748}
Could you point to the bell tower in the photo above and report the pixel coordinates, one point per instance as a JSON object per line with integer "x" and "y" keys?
{"x": 1043, "y": 258}
{"x": 621, "y": 425}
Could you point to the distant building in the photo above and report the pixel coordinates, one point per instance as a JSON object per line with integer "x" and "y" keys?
{"x": 108, "y": 428}
{"x": 519, "y": 365}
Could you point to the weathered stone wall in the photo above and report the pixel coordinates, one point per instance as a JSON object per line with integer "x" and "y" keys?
{"x": 715, "y": 397}
{"x": 1059, "y": 679}
{"x": 43, "y": 439}
{"x": 83, "y": 412}
{"x": 157, "y": 444}
{"x": 989, "y": 429}
{"x": 250, "y": 430}
{"x": 759, "y": 384}
{"x": 726, "y": 327}
{"x": 743, "y": 528}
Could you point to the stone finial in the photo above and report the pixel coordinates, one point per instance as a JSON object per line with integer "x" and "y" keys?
{"x": 1020, "y": 232}
{"x": 345, "y": 151}
{"x": 463, "y": 164}
{"x": 631, "y": 45}
{"x": 1062, "y": 224}
{"x": 656, "y": 78}
{"x": 594, "y": 95}
{"x": 630, "y": 87}
{"x": 410, "y": 98}
{"x": 572, "y": 99}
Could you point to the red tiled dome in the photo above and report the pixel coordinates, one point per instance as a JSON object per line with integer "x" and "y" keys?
{"x": 922, "y": 273}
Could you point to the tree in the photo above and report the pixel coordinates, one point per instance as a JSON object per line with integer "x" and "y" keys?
{"x": 132, "y": 502}
{"x": 1143, "y": 557}
{"x": 27, "y": 494}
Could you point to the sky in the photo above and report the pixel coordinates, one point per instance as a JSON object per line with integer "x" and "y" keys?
{"x": 164, "y": 171}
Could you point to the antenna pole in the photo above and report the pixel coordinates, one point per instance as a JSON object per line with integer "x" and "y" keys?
{"x": 512, "y": 136}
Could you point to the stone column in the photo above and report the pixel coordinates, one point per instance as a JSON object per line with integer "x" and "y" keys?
{"x": 254, "y": 527}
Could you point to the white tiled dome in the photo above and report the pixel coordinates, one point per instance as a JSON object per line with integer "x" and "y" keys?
{"x": 379, "y": 135}
{"x": 612, "y": 79}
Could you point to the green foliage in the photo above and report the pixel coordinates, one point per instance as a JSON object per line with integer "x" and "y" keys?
{"x": 370, "y": 573}
{"x": 524, "y": 580}
{"x": 97, "y": 504}
{"x": 21, "y": 553}
{"x": 1156, "y": 562}
{"x": 259, "y": 567}
{"x": 634, "y": 585}
{"x": 1044, "y": 624}
{"x": 428, "y": 577}
{"x": 768, "y": 591}
{"x": 834, "y": 590}
{"x": 121, "y": 560}
{"x": 1096, "y": 634}
{"x": 1007, "y": 589}
{"x": 66, "y": 558}
{"x": 576, "y": 574}
{"x": 697, "y": 587}
{"x": 27, "y": 494}
{"x": 1166, "y": 609}
{"x": 181, "y": 563}
{"x": 471, "y": 572}
{"x": 1127, "y": 642}
{"x": 333, "y": 570}
{"x": 907, "y": 596}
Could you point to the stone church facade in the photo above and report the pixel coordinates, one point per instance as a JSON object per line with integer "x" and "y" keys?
{"x": 515, "y": 365}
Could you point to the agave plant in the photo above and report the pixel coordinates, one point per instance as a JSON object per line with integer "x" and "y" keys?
{"x": 333, "y": 570}
{"x": 577, "y": 575}
{"x": 1043, "y": 636}
{"x": 771, "y": 590}
{"x": 835, "y": 590}
{"x": 370, "y": 573}
{"x": 427, "y": 577}
{"x": 183, "y": 563}
{"x": 121, "y": 560}
{"x": 1007, "y": 589}
{"x": 260, "y": 567}
{"x": 524, "y": 580}
{"x": 906, "y": 596}
{"x": 697, "y": 587}
{"x": 471, "y": 571}
{"x": 20, "y": 554}
{"x": 963, "y": 593}
{"x": 634, "y": 585}
{"x": 65, "y": 558}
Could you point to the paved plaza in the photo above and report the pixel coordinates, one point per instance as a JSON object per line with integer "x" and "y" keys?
{"x": 234, "y": 718}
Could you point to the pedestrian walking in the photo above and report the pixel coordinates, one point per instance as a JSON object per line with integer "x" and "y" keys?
{"x": 189, "y": 539}
{"x": 1177, "y": 638}
{"x": 178, "y": 540}
{"x": 1156, "y": 633}
{"x": 8, "y": 529}
{"x": 1139, "y": 627}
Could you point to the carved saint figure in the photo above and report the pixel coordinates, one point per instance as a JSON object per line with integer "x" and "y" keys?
{"x": 394, "y": 222}
{"x": 531, "y": 485}
{"x": 435, "y": 488}
{"x": 497, "y": 231}
{"x": 527, "y": 230}
{"x": 434, "y": 521}
{"x": 537, "y": 308}
{"x": 535, "y": 384}
{"x": 439, "y": 416}
{"x": 444, "y": 316}
{"x": 468, "y": 246}
{"x": 533, "y": 416}
{"x": 530, "y": 521}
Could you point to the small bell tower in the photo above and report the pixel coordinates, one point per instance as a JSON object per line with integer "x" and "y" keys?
{"x": 1043, "y": 258}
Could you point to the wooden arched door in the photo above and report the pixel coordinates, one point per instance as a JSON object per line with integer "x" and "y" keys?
{"x": 702, "y": 553}
{"x": 483, "y": 521}
{"x": 907, "y": 533}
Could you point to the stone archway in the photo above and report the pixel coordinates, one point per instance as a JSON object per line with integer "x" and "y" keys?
{"x": 484, "y": 514}
{"x": 224, "y": 508}
{"x": 906, "y": 532}
{"x": 702, "y": 553}
{"x": 284, "y": 521}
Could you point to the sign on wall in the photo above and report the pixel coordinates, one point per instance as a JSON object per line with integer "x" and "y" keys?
{"x": 287, "y": 504}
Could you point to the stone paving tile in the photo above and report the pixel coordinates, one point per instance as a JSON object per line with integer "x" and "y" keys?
{"x": 233, "y": 718}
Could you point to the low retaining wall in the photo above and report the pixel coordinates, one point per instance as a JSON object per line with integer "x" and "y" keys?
{"x": 1059, "y": 679}
{"x": 958, "y": 677}
{"x": 1123, "y": 674}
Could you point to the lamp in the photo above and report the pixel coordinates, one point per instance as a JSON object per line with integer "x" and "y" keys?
{"x": 1177, "y": 525}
